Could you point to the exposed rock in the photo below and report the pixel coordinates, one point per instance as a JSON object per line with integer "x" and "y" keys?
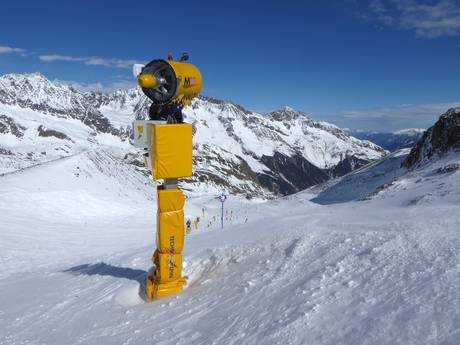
{"x": 45, "y": 132}
{"x": 290, "y": 174}
{"x": 443, "y": 137}
{"x": 8, "y": 125}
{"x": 448, "y": 168}
{"x": 6, "y": 152}
{"x": 346, "y": 165}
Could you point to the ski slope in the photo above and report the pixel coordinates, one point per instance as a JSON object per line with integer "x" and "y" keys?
{"x": 75, "y": 245}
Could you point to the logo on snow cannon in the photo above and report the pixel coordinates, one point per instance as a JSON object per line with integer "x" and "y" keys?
{"x": 172, "y": 242}
{"x": 172, "y": 265}
{"x": 190, "y": 81}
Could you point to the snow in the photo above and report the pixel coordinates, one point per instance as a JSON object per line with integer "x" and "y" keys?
{"x": 32, "y": 148}
{"x": 362, "y": 182}
{"x": 77, "y": 234}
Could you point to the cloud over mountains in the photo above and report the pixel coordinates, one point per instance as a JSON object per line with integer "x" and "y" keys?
{"x": 428, "y": 19}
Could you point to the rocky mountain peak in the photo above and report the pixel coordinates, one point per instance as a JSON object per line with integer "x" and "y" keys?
{"x": 37, "y": 92}
{"x": 34, "y": 91}
{"x": 286, "y": 114}
{"x": 443, "y": 137}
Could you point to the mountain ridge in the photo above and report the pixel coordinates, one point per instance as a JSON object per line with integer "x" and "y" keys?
{"x": 235, "y": 149}
{"x": 391, "y": 141}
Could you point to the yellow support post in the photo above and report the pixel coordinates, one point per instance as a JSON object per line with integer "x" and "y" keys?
{"x": 171, "y": 86}
{"x": 170, "y": 157}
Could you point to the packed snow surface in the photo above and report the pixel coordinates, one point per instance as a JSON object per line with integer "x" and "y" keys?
{"x": 76, "y": 236}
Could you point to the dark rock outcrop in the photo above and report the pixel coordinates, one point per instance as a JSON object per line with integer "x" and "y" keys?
{"x": 45, "y": 132}
{"x": 8, "y": 125}
{"x": 290, "y": 174}
{"x": 346, "y": 165}
{"x": 443, "y": 137}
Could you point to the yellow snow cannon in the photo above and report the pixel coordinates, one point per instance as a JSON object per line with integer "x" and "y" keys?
{"x": 170, "y": 85}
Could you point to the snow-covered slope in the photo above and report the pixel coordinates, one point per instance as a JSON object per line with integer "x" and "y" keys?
{"x": 77, "y": 235}
{"x": 35, "y": 92}
{"x": 42, "y": 121}
{"x": 78, "y": 190}
{"x": 428, "y": 170}
{"x": 364, "y": 182}
{"x": 388, "y": 179}
{"x": 234, "y": 149}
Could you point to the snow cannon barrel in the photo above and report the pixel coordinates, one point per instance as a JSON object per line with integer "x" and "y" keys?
{"x": 167, "y": 81}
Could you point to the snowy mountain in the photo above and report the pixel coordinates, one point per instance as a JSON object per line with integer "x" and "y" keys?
{"x": 285, "y": 151}
{"x": 35, "y": 92}
{"x": 280, "y": 152}
{"x": 41, "y": 121}
{"x": 405, "y": 138}
{"x": 434, "y": 159}
{"x": 234, "y": 149}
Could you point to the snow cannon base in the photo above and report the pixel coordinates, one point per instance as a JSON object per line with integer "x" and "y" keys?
{"x": 155, "y": 290}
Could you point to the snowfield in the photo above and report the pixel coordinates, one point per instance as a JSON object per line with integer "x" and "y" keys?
{"x": 377, "y": 264}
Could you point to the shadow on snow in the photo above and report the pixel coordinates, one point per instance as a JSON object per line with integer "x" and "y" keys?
{"x": 103, "y": 269}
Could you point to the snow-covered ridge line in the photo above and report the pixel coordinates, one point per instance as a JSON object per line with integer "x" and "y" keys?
{"x": 235, "y": 149}
{"x": 404, "y": 138}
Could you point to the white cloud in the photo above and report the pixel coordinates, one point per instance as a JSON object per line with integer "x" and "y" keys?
{"x": 428, "y": 19}
{"x": 93, "y": 61}
{"x": 121, "y": 84}
{"x": 390, "y": 119}
{"x": 90, "y": 60}
{"x": 119, "y": 63}
{"x": 57, "y": 57}
{"x": 404, "y": 111}
{"x": 8, "y": 50}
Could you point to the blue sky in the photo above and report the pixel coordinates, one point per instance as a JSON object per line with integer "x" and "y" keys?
{"x": 374, "y": 65}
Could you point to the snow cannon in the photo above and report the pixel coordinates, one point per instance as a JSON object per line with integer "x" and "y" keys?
{"x": 170, "y": 85}
{"x": 167, "y": 145}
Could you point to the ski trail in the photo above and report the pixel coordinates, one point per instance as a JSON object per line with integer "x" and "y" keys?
{"x": 41, "y": 164}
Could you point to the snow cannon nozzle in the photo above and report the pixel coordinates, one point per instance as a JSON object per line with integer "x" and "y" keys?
{"x": 170, "y": 85}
